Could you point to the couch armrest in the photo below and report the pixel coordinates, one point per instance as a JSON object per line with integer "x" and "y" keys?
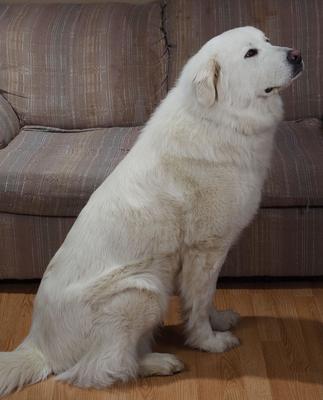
{"x": 9, "y": 123}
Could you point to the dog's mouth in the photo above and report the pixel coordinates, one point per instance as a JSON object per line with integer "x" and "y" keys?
{"x": 296, "y": 73}
{"x": 270, "y": 89}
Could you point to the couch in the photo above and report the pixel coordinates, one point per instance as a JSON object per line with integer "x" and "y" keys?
{"x": 77, "y": 82}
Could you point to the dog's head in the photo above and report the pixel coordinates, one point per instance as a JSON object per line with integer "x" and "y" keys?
{"x": 240, "y": 65}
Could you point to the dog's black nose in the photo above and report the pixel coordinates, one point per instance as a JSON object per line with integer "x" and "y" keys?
{"x": 294, "y": 56}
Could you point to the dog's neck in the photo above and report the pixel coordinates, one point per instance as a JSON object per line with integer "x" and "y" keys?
{"x": 247, "y": 118}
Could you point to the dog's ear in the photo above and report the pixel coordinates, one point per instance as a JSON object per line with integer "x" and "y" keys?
{"x": 205, "y": 83}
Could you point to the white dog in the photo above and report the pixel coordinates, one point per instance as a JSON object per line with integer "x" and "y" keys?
{"x": 164, "y": 220}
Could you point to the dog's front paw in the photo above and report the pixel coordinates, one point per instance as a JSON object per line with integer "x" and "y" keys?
{"x": 223, "y": 320}
{"x": 218, "y": 342}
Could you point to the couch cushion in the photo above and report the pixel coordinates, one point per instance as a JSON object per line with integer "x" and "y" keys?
{"x": 82, "y": 66}
{"x": 53, "y": 172}
{"x": 296, "y": 23}
{"x": 296, "y": 174}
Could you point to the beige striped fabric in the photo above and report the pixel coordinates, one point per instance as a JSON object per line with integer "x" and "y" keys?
{"x": 82, "y": 66}
{"x": 296, "y": 173}
{"x": 28, "y": 243}
{"x": 280, "y": 242}
{"x": 9, "y": 123}
{"x": 292, "y": 23}
{"x": 53, "y": 172}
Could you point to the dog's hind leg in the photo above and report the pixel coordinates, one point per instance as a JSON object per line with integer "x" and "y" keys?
{"x": 117, "y": 329}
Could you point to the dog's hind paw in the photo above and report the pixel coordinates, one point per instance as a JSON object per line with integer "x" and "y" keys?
{"x": 159, "y": 364}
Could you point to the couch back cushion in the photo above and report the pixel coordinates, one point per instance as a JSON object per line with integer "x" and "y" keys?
{"x": 81, "y": 66}
{"x": 291, "y": 23}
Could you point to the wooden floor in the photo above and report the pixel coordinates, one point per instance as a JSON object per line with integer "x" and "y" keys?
{"x": 280, "y": 357}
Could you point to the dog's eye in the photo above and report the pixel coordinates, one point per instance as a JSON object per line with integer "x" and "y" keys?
{"x": 267, "y": 40}
{"x": 251, "y": 53}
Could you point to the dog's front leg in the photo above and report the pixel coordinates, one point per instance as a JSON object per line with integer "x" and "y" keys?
{"x": 222, "y": 320}
{"x": 197, "y": 281}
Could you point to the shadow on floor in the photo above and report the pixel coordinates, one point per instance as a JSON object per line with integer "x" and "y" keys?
{"x": 275, "y": 348}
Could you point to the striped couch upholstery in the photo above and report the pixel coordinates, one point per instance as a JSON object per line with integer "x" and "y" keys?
{"x": 64, "y": 66}
{"x": 9, "y": 123}
{"x": 77, "y": 82}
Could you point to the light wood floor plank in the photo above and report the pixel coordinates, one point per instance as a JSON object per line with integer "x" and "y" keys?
{"x": 280, "y": 357}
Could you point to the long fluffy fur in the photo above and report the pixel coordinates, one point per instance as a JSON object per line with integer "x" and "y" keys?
{"x": 24, "y": 365}
{"x": 164, "y": 219}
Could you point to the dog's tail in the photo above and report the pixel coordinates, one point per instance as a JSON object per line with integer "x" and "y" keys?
{"x": 25, "y": 365}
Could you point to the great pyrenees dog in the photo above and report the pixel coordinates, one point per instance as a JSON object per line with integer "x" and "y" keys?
{"x": 163, "y": 221}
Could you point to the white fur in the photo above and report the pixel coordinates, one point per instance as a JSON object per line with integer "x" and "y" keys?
{"x": 163, "y": 220}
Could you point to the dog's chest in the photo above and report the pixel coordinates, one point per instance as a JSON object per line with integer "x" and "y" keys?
{"x": 223, "y": 208}
{"x": 222, "y": 200}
